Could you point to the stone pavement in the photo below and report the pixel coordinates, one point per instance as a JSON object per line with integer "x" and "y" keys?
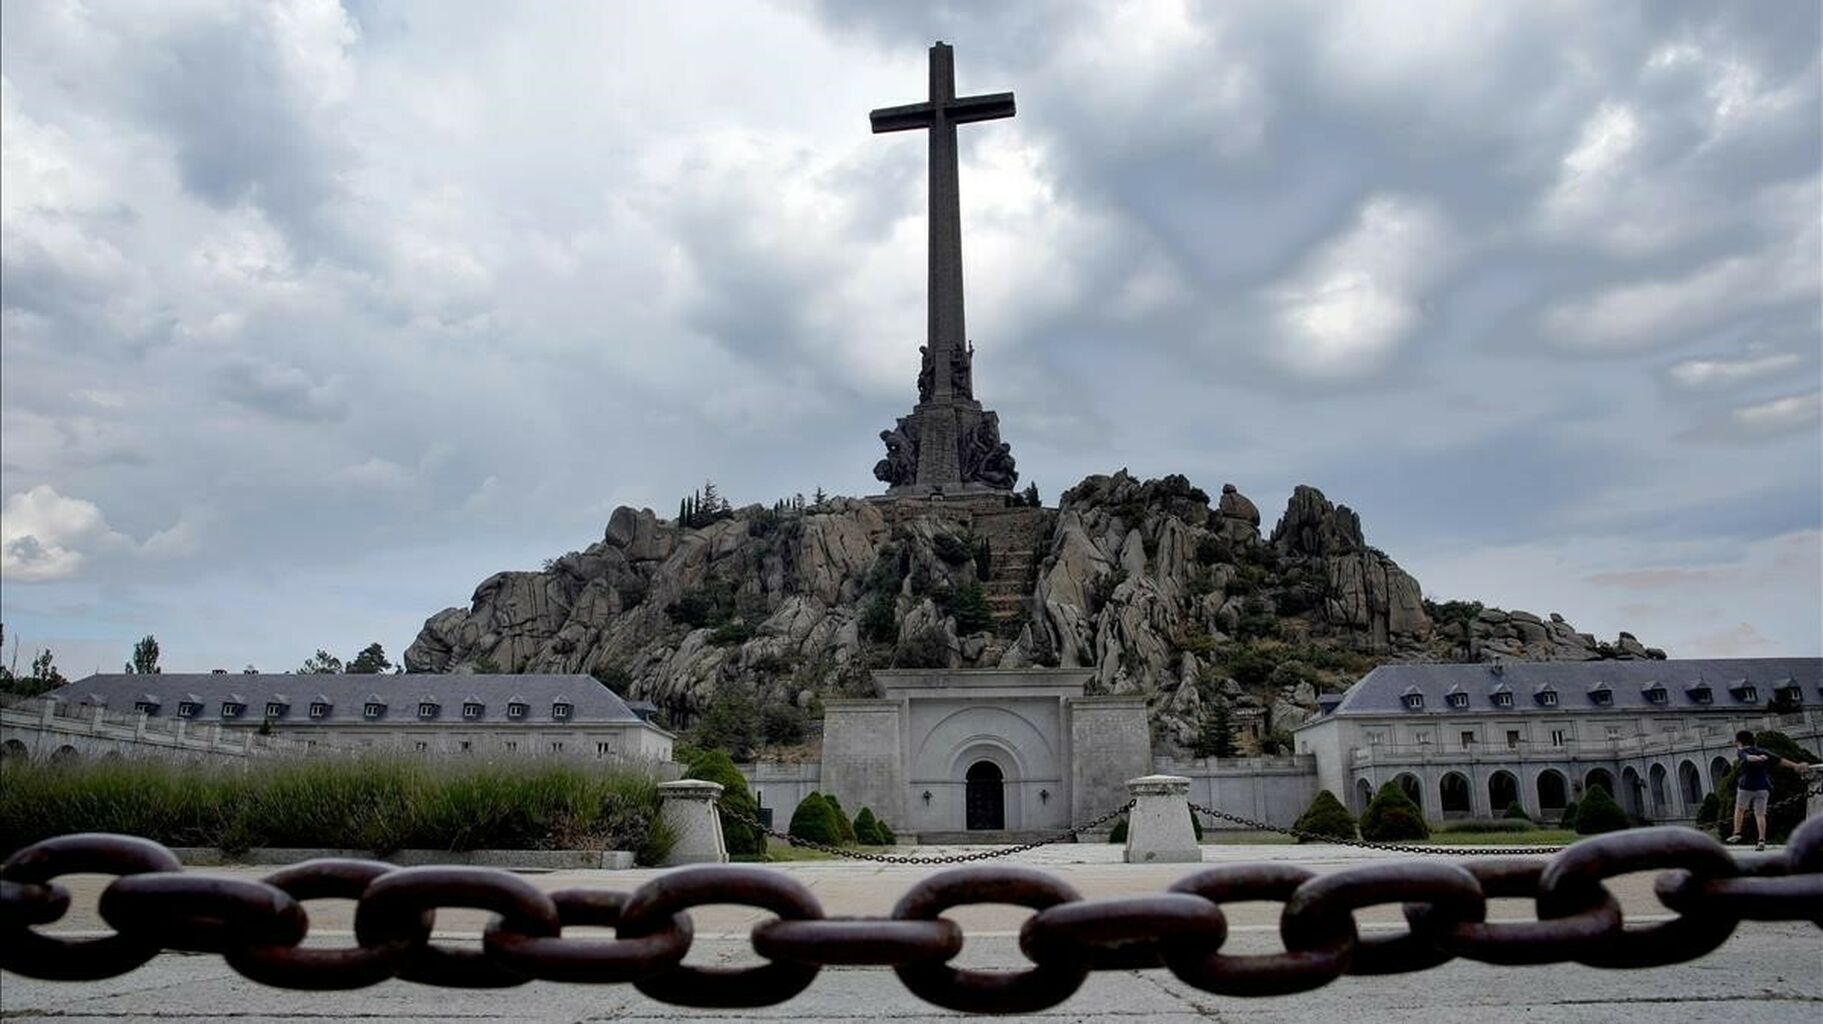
{"x": 1767, "y": 972}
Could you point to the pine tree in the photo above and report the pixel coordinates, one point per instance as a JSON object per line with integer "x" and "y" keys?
{"x": 1216, "y": 737}
{"x": 819, "y": 497}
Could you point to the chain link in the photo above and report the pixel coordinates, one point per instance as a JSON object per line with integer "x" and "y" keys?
{"x": 259, "y": 926}
{"x": 1067, "y": 836}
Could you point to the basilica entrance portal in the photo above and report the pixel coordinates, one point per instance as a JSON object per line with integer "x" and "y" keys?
{"x": 986, "y": 797}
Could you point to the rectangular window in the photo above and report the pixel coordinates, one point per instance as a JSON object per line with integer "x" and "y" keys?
{"x": 188, "y": 709}
{"x": 374, "y": 710}
{"x": 1468, "y": 740}
{"x": 603, "y": 749}
{"x": 310, "y": 744}
{"x": 512, "y": 745}
{"x": 467, "y": 746}
{"x": 1512, "y": 739}
{"x": 420, "y": 745}
{"x": 1558, "y": 736}
{"x": 427, "y": 709}
{"x": 471, "y": 711}
{"x": 1375, "y": 737}
{"x": 515, "y": 711}
{"x": 556, "y": 746}
{"x": 231, "y": 710}
{"x": 146, "y": 707}
{"x": 1422, "y": 736}
{"x": 275, "y": 710}
{"x": 319, "y": 710}
{"x": 1614, "y": 732}
{"x": 560, "y": 711}
{"x": 1504, "y": 700}
{"x": 1548, "y": 699}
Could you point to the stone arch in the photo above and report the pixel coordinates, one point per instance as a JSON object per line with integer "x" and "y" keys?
{"x": 1690, "y": 783}
{"x": 1553, "y": 793}
{"x": 1412, "y": 787}
{"x": 986, "y": 799}
{"x": 1632, "y": 791}
{"x": 1718, "y": 770}
{"x": 1658, "y": 783}
{"x": 13, "y": 749}
{"x": 1364, "y": 794}
{"x": 1503, "y": 789}
{"x": 63, "y": 753}
{"x": 1601, "y": 777}
{"x": 1454, "y": 795}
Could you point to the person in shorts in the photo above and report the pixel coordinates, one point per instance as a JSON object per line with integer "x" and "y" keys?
{"x": 1753, "y": 783}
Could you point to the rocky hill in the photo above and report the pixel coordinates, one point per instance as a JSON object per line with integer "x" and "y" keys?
{"x": 1155, "y": 588}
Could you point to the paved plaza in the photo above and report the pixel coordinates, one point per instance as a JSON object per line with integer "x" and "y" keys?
{"x": 1766, "y": 972}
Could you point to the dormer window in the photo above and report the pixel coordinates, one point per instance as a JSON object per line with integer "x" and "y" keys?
{"x": 1790, "y": 693}
{"x": 373, "y": 709}
{"x": 428, "y": 709}
{"x": 277, "y": 708}
{"x": 233, "y": 708}
{"x": 189, "y": 708}
{"x": 147, "y": 705}
{"x": 471, "y": 709}
{"x": 1601, "y": 696}
{"x": 1745, "y": 692}
{"x": 1457, "y": 700}
{"x": 319, "y": 709}
{"x": 560, "y": 710}
{"x": 1503, "y": 699}
{"x": 516, "y": 709}
{"x": 1655, "y": 694}
{"x": 1701, "y": 694}
{"x": 1412, "y": 698}
{"x": 1547, "y": 697}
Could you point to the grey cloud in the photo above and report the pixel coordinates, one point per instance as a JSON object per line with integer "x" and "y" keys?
{"x": 283, "y": 391}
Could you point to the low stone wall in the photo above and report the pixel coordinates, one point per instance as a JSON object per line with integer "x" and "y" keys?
{"x": 42, "y": 730}
{"x": 779, "y": 787}
{"x": 1274, "y": 790}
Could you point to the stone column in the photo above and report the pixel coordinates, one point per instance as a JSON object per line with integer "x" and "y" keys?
{"x": 1158, "y": 826}
{"x": 687, "y": 807}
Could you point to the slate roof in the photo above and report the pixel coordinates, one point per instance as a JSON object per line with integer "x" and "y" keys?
{"x": 1383, "y": 690}
{"x": 348, "y": 695}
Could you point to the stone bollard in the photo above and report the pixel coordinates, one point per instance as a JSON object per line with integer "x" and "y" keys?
{"x": 688, "y": 808}
{"x": 1158, "y": 826}
{"x": 1812, "y": 776}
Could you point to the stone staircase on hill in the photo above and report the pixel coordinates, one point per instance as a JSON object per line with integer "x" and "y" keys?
{"x": 1013, "y": 536}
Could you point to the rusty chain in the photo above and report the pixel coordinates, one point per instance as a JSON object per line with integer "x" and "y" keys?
{"x": 259, "y": 926}
{"x": 1066, "y": 836}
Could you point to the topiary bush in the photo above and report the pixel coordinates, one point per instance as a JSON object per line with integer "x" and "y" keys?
{"x": 815, "y": 821}
{"x": 742, "y": 839}
{"x": 1326, "y": 817}
{"x": 1569, "y": 815}
{"x": 1407, "y": 824}
{"x": 1516, "y": 811}
{"x": 887, "y": 836}
{"x": 867, "y": 830}
{"x": 1598, "y": 813}
{"x": 844, "y": 827}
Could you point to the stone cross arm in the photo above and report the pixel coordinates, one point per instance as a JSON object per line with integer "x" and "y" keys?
{"x": 960, "y": 110}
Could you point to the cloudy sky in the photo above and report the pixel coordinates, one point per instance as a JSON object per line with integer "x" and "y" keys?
{"x": 316, "y": 315}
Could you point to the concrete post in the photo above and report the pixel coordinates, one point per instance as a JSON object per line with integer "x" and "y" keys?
{"x": 1158, "y": 826}
{"x": 1811, "y": 776}
{"x": 687, "y": 807}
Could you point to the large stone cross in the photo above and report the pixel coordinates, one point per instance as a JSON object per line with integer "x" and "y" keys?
{"x": 941, "y": 114}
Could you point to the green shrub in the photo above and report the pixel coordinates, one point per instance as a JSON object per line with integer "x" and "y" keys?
{"x": 969, "y": 607}
{"x": 815, "y": 821}
{"x": 929, "y": 648}
{"x": 741, "y": 838}
{"x": 953, "y": 550}
{"x": 1326, "y": 817}
{"x": 867, "y": 829}
{"x": 887, "y": 836}
{"x": 844, "y": 827}
{"x": 1598, "y": 813}
{"x": 1569, "y": 815}
{"x": 1516, "y": 811}
{"x": 1785, "y": 782}
{"x": 1407, "y": 824}
{"x": 371, "y": 804}
{"x": 878, "y": 622}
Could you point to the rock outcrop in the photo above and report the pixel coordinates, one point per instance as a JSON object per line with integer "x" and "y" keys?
{"x": 1144, "y": 582}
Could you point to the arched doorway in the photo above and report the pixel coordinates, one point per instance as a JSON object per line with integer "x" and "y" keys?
{"x": 1503, "y": 789}
{"x": 63, "y": 753}
{"x": 14, "y": 749}
{"x": 1453, "y": 795}
{"x": 1632, "y": 791}
{"x": 1603, "y": 778}
{"x": 1718, "y": 769}
{"x": 1412, "y": 787}
{"x": 986, "y": 796}
{"x": 1691, "y": 782}
{"x": 1364, "y": 794}
{"x": 1658, "y": 779}
{"x": 1553, "y": 794}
